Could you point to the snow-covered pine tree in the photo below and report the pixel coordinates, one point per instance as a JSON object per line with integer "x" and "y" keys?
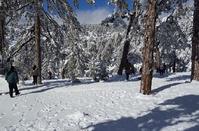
{"x": 6, "y": 15}
{"x": 171, "y": 42}
{"x": 52, "y": 16}
{"x": 75, "y": 63}
{"x": 102, "y": 45}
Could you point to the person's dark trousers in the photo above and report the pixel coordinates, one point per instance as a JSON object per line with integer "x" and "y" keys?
{"x": 127, "y": 76}
{"x": 34, "y": 80}
{"x": 11, "y": 87}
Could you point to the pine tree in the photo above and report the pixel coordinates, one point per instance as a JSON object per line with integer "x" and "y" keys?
{"x": 149, "y": 41}
{"x": 6, "y": 16}
{"x": 171, "y": 42}
{"x": 195, "y": 43}
{"x": 44, "y": 29}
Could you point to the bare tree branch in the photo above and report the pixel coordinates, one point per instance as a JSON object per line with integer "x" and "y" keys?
{"x": 24, "y": 6}
{"x": 20, "y": 47}
{"x": 50, "y": 18}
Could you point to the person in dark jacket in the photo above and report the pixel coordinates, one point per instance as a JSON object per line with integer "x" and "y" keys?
{"x": 12, "y": 79}
{"x": 34, "y": 74}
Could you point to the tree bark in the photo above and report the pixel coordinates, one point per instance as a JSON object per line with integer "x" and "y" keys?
{"x": 157, "y": 59}
{"x": 195, "y": 43}
{"x": 2, "y": 21}
{"x": 124, "y": 60}
{"x": 174, "y": 66}
{"x": 149, "y": 41}
{"x": 132, "y": 22}
{"x": 2, "y": 33}
{"x": 38, "y": 41}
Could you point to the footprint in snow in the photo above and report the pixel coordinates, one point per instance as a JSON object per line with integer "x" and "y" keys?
{"x": 14, "y": 107}
{"x": 2, "y": 114}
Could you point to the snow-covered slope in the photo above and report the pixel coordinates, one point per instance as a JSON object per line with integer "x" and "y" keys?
{"x": 104, "y": 106}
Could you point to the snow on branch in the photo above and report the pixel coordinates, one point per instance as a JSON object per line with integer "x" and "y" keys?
{"x": 20, "y": 47}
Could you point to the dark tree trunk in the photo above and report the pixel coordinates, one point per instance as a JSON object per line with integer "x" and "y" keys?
{"x": 38, "y": 41}
{"x": 195, "y": 43}
{"x": 2, "y": 22}
{"x": 2, "y": 33}
{"x": 174, "y": 66}
{"x": 2, "y": 36}
{"x": 124, "y": 59}
{"x": 63, "y": 73}
{"x": 157, "y": 59}
{"x": 149, "y": 41}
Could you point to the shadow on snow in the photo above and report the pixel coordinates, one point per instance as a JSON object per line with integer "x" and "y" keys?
{"x": 49, "y": 85}
{"x": 178, "y": 111}
{"x": 116, "y": 78}
{"x": 157, "y": 90}
{"x": 178, "y": 78}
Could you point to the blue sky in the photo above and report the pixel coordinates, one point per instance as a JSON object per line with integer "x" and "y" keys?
{"x": 94, "y": 14}
{"x": 99, "y": 4}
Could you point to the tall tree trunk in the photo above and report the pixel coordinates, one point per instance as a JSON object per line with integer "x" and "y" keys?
{"x": 149, "y": 41}
{"x": 2, "y": 21}
{"x": 195, "y": 43}
{"x": 174, "y": 66}
{"x": 124, "y": 60}
{"x": 2, "y": 33}
{"x": 38, "y": 41}
{"x": 157, "y": 59}
{"x": 2, "y": 36}
{"x": 1, "y": 25}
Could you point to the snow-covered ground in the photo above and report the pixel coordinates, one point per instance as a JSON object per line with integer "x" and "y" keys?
{"x": 58, "y": 105}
